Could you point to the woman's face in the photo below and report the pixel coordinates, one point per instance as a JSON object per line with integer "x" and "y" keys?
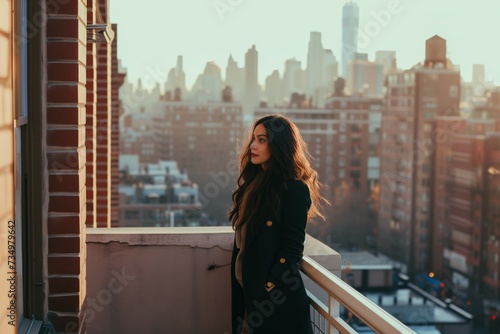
{"x": 259, "y": 148}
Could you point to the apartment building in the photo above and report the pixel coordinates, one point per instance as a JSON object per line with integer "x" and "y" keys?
{"x": 414, "y": 99}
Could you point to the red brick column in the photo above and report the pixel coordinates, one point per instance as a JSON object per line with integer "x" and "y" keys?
{"x": 66, "y": 98}
{"x": 117, "y": 80}
{"x": 90, "y": 135}
{"x": 103, "y": 115}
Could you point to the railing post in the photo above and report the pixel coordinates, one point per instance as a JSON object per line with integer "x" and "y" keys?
{"x": 334, "y": 311}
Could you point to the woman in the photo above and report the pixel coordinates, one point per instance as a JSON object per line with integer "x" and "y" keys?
{"x": 277, "y": 194}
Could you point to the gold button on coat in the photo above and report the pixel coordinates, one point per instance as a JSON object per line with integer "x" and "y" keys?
{"x": 269, "y": 284}
{"x": 269, "y": 223}
{"x": 282, "y": 260}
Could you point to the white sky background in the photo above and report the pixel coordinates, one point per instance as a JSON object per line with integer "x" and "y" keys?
{"x": 152, "y": 33}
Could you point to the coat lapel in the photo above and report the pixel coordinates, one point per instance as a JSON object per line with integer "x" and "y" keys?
{"x": 254, "y": 231}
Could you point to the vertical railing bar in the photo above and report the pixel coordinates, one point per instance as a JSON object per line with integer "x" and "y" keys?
{"x": 372, "y": 315}
{"x": 338, "y": 324}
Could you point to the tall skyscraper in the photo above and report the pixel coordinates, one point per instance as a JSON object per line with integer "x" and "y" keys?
{"x": 176, "y": 77}
{"x": 478, "y": 73}
{"x": 414, "y": 99}
{"x": 251, "y": 81}
{"x": 364, "y": 76}
{"x": 272, "y": 90}
{"x": 330, "y": 68}
{"x": 478, "y": 83}
{"x": 235, "y": 78}
{"x": 350, "y": 27}
{"x": 292, "y": 77}
{"x": 314, "y": 69}
{"x": 388, "y": 60}
{"x": 210, "y": 82}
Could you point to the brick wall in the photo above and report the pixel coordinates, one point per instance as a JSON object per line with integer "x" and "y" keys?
{"x": 103, "y": 119}
{"x": 91, "y": 125}
{"x": 6, "y": 159}
{"x": 66, "y": 133}
{"x": 117, "y": 80}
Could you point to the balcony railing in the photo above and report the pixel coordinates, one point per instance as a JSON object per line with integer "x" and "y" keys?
{"x": 326, "y": 318}
{"x": 177, "y": 280}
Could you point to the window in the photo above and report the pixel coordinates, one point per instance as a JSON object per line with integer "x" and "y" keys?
{"x": 428, "y": 115}
{"x": 453, "y": 91}
{"x": 131, "y": 214}
{"x": 355, "y": 162}
{"x": 341, "y": 173}
{"x": 355, "y": 128}
{"x": 21, "y": 155}
{"x": 355, "y": 146}
{"x": 28, "y": 163}
{"x": 21, "y": 70}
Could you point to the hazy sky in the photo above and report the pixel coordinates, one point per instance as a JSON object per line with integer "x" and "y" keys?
{"x": 151, "y": 34}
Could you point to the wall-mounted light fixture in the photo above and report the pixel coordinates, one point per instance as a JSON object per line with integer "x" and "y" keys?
{"x": 100, "y": 33}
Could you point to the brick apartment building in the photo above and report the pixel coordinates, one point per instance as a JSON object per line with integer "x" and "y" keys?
{"x": 343, "y": 141}
{"x": 438, "y": 182}
{"x": 156, "y": 195}
{"x": 137, "y": 137}
{"x": 465, "y": 244}
{"x": 204, "y": 138}
{"x": 414, "y": 98}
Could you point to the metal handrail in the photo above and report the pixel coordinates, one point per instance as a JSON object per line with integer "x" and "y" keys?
{"x": 370, "y": 313}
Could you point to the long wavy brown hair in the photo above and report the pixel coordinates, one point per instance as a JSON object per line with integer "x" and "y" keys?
{"x": 258, "y": 190}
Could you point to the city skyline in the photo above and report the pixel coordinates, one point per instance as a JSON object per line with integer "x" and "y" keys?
{"x": 412, "y": 174}
{"x": 228, "y": 27}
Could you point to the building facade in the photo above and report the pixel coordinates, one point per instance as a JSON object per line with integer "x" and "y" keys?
{"x": 204, "y": 139}
{"x": 157, "y": 195}
{"x": 343, "y": 141}
{"x": 414, "y": 98}
{"x": 364, "y": 76}
{"x": 50, "y": 132}
{"x": 464, "y": 232}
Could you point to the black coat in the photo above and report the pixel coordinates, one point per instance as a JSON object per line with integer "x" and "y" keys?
{"x": 273, "y": 246}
